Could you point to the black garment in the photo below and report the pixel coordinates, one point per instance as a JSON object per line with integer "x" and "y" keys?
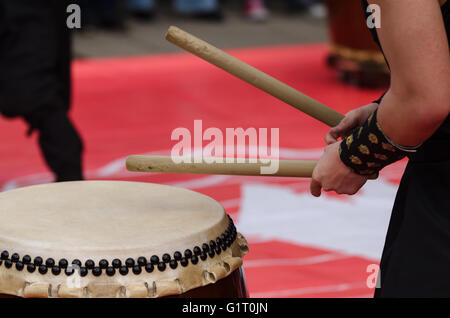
{"x": 108, "y": 14}
{"x": 35, "y": 83}
{"x": 60, "y": 143}
{"x": 34, "y": 56}
{"x": 416, "y": 255}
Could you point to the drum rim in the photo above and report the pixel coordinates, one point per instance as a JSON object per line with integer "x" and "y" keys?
{"x": 207, "y": 250}
{"x": 109, "y": 244}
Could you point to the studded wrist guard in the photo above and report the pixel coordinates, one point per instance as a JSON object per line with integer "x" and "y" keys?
{"x": 367, "y": 150}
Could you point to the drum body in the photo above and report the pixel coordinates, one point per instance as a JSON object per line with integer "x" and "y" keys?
{"x": 232, "y": 286}
{"x": 352, "y": 50}
{"x": 100, "y": 239}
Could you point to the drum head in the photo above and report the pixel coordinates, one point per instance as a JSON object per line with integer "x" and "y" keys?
{"x": 124, "y": 239}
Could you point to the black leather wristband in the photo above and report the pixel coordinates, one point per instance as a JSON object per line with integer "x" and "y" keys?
{"x": 367, "y": 150}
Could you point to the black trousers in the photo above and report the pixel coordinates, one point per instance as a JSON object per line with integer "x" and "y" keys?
{"x": 416, "y": 255}
{"x": 59, "y": 141}
{"x": 35, "y": 78}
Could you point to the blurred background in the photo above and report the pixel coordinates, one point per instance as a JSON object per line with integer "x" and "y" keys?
{"x": 130, "y": 89}
{"x": 135, "y": 27}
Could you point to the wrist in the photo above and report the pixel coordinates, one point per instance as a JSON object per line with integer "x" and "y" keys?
{"x": 367, "y": 150}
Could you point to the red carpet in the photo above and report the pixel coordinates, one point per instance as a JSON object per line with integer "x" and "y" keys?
{"x": 131, "y": 106}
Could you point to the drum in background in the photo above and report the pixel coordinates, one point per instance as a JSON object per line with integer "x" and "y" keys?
{"x": 352, "y": 50}
{"x": 117, "y": 239}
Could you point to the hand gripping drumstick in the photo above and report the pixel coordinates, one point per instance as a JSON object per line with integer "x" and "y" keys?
{"x": 287, "y": 168}
{"x": 253, "y": 76}
{"x": 247, "y": 73}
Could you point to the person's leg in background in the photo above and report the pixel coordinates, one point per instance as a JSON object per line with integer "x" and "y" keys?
{"x": 60, "y": 143}
{"x": 35, "y": 82}
{"x": 112, "y": 15}
{"x": 206, "y": 9}
{"x": 89, "y": 13}
{"x": 316, "y": 8}
{"x": 142, "y": 9}
{"x": 108, "y": 14}
{"x": 255, "y": 10}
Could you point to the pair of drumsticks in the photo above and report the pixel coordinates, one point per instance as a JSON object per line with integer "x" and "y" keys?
{"x": 249, "y": 74}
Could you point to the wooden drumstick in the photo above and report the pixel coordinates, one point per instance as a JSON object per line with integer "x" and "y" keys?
{"x": 253, "y": 76}
{"x": 165, "y": 164}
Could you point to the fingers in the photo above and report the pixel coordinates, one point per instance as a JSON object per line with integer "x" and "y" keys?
{"x": 331, "y": 138}
{"x": 347, "y": 124}
{"x": 339, "y": 131}
{"x": 315, "y": 188}
{"x": 334, "y": 133}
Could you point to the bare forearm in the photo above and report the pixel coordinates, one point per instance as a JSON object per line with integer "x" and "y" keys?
{"x": 416, "y": 45}
{"x": 411, "y": 120}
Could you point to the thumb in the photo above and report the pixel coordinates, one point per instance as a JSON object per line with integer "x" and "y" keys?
{"x": 315, "y": 187}
{"x": 339, "y": 130}
{"x": 345, "y": 122}
{"x": 344, "y": 126}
